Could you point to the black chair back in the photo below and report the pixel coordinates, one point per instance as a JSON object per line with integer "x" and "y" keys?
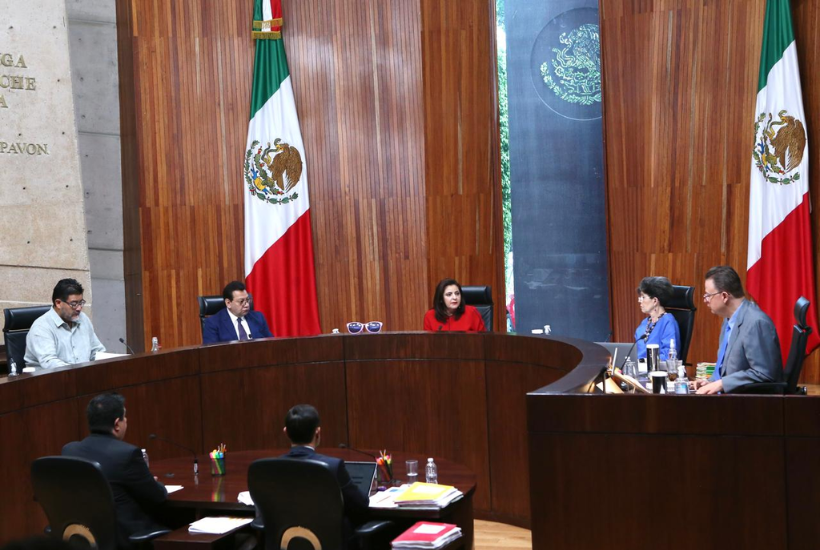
{"x": 797, "y": 350}
{"x": 77, "y": 501}
{"x": 682, "y": 307}
{"x": 297, "y": 499}
{"x": 481, "y": 298}
{"x": 15, "y": 331}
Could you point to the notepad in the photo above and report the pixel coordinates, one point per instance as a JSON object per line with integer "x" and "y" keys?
{"x": 173, "y": 488}
{"x": 217, "y": 525}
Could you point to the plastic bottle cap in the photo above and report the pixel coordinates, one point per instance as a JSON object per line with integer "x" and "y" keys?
{"x": 429, "y": 460}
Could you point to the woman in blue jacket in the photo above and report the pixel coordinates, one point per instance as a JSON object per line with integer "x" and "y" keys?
{"x": 659, "y": 327}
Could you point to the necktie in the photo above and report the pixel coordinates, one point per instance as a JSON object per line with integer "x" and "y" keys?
{"x": 243, "y": 335}
{"x": 721, "y": 353}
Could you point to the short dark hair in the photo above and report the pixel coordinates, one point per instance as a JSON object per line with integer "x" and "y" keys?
{"x": 65, "y": 288}
{"x": 438, "y": 301}
{"x": 301, "y": 423}
{"x": 726, "y": 279}
{"x": 103, "y": 410}
{"x": 232, "y": 287}
{"x": 656, "y": 287}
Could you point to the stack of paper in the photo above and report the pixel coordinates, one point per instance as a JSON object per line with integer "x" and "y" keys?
{"x": 427, "y": 536}
{"x": 217, "y": 525}
{"x": 428, "y": 495}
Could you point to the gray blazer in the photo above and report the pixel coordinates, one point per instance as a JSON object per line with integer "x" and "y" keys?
{"x": 753, "y": 353}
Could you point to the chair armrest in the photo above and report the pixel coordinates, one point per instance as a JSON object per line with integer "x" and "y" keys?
{"x": 258, "y": 524}
{"x": 47, "y": 530}
{"x": 764, "y": 388}
{"x": 372, "y": 527}
{"x": 148, "y": 535}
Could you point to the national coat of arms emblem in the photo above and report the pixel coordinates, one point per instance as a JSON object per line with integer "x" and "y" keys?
{"x": 574, "y": 74}
{"x": 271, "y": 172}
{"x": 779, "y": 146}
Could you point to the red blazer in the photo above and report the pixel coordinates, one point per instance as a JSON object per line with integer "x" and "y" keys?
{"x": 471, "y": 321}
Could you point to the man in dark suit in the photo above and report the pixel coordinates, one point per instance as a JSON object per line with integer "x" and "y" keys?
{"x": 303, "y": 429}
{"x": 136, "y": 492}
{"x": 749, "y": 349}
{"x": 236, "y": 321}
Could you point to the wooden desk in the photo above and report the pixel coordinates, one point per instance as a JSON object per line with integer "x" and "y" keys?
{"x": 209, "y": 495}
{"x": 456, "y": 396}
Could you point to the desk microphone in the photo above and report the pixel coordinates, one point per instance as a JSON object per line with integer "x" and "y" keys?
{"x": 196, "y": 462}
{"x": 344, "y": 446}
{"x": 626, "y": 358}
{"x": 122, "y": 341}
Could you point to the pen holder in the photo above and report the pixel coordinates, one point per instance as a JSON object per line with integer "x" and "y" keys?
{"x": 218, "y": 466}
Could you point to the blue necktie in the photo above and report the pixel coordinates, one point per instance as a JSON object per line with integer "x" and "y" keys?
{"x": 243, "y": 334}
{"x": 722, "y": 352}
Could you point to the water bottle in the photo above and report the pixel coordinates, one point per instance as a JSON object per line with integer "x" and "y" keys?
{"x": 672, "y": 358}
{"x": 154, "y": 344}
{"x": 145, "y": 458}
{"x": 431, "y": 472}
{"x": 12, "y": 367}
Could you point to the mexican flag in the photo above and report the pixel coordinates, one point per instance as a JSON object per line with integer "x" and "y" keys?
{"x": 278, "y": 238}
{"x": 780, "y": 265}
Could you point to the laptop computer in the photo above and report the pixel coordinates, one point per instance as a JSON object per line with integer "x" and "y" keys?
{"x": 623, "y": 349}
{"x": 362, "y": 475}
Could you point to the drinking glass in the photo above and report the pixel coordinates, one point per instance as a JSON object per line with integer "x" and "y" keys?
{"x": 412, "y": 471}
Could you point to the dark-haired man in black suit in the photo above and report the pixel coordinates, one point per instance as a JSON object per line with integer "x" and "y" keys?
{"x": 303, "y": 429}
{"x": 136, "y": 492}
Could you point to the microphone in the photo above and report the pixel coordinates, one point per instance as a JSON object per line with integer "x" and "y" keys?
{"x": 196, "y": 462}
{"x": 632, "y": 347}
{"x": 344, "y": 446}
{"x": 122, "y": 341}
{"x": 440, "y": 327}
{"x": 608, "y": 336}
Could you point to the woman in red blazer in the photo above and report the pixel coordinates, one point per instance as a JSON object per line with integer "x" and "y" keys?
{"x": 449, "y": 313}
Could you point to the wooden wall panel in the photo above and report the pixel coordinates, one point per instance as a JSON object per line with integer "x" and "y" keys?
{"x": 680, "y": 81}
{"x": 462, "y": 163}
{"x": 397, "y": 107}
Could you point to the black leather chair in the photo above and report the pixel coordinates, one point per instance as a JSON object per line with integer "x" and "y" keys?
{"x": 78, "y": 503}
{"x": 682, "y": 308}
{"x": 211, "y": 305}
{"x": 18, "y": 323}
{"x": 794, "y": 363}
{"x": 299, "y": 501}
{"x": 481, "y": 298}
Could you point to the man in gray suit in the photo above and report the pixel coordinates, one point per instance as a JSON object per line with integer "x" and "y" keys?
{"x": 749, "y": 350}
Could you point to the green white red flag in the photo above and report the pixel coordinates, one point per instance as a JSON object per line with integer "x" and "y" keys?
{"x": 279, "y": 269}
{"x": 780, "y": 266}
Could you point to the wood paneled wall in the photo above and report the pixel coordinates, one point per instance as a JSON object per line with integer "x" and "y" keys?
{"x": 397, "y": 107}
{"x": 680, "y": 79}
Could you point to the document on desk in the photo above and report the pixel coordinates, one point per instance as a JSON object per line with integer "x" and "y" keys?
{"x": 245, "y": 498}
{"x": 217, "y": 525}
{"x": 107, "y": 355}
{"x": 386, "y": 499}
{"x": 173, "y": 488}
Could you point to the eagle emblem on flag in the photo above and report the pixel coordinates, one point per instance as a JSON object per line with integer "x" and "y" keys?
{"x": 271, "y": 172}
{"x": 779, "y": 146}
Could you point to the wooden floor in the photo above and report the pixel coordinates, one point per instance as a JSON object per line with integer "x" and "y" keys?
{"x": 492, "y": 536}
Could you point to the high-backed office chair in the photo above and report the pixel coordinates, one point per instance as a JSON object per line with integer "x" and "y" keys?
{"x": 78, "y": 503}
{"x": 211, "y": 305}
{"x": 18, "y": 323}
{"x": 481, "y": 298}
{"x": 300, "y": 499}
{"x": 794, "y": 363}
{"x": 682, "y": 307}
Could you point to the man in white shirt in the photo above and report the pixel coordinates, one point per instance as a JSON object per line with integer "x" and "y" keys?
{"x": 64, "y": 334}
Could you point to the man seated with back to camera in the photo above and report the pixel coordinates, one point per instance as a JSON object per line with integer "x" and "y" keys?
{"x": 305, "y": 433}
{"x": 749, "y": 349}
{"x": 64, "y": 334}
{"x": 137, "y": 494}
{"x": 236, "y": 321}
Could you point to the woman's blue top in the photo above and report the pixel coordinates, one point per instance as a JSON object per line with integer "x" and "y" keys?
{"x": 665, "y": 330}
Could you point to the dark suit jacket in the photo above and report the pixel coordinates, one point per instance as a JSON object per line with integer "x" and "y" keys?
{"x": 753, "y": 353}
{"x": 356, "y": 503}
{"x": 135, "y": 490}
{"x": 220, "y": 328}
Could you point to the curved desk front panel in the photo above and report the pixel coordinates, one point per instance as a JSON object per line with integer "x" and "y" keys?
{"x": 456, "y": 396}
